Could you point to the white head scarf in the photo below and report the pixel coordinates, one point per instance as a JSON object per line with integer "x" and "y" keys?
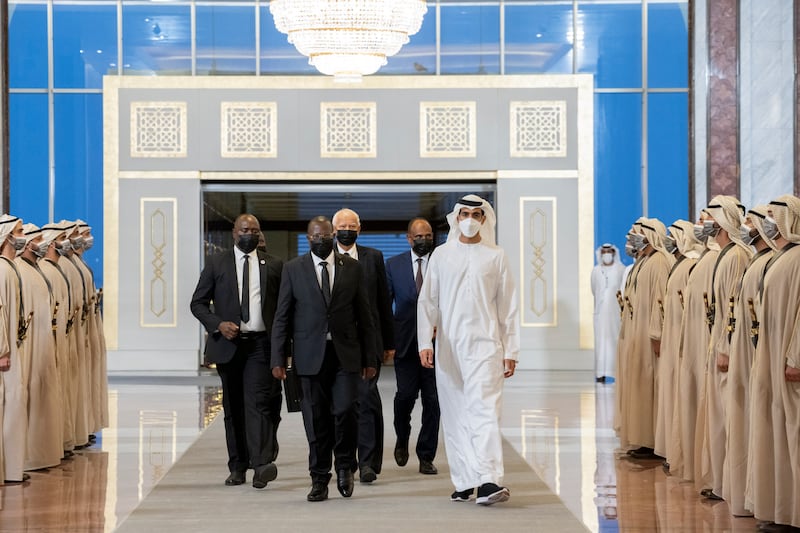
{"x": 7, "y": 225}
{"x": 757, "y": 216}
{"x": 598, "y": 253}
{"x": 30, "y": 231}
{"x": 471, "y": 201}
{"x": 729, "y": 214}
{"x": 655, "y": 231}
{"x": 786, "y": 212}
{"x": 683, "y": 233}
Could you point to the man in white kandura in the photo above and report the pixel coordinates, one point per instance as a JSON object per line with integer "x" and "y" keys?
{"x": 607, "y": 276}
{"x": 468, "y": 301}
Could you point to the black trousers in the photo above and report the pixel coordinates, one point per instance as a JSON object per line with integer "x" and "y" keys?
{"x": 329, "y": 417}
{"x": 251, "y": 400}
{"x": 370, "y": 424}
{"x": 413, "y": 379}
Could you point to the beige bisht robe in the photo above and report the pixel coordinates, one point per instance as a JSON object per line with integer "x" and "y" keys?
{"x": 65, "y": 357}
{"x": 694, "y": 339}
{"x": 727, "y": 279}
{"x": 668, "y": 359}
{"x": 738, "y": 396}
{"x": 774, "y": 485}
{"x": 624, "y": 345}
{"x": 80, "y": 371}
{"x": 96, "y": 346}
{"x": 44, "y": 394}
{"x": 15, "y": 381}
{"x": 4, "y": 350}
{"x": 638, "y": 396}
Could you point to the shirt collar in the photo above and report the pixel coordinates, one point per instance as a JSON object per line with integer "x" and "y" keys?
{"x": 352, "y": 252}
{"x": 240, "y": 254}
{"x": 415, "y": 256}
{"x": 317, "y": 259}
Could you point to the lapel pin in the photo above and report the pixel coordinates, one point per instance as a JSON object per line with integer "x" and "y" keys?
{"x": 263, "y": 262}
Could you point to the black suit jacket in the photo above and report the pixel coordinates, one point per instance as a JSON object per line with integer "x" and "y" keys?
{"x": 374, "y": 272}
{"x": 216, "y": 299}
{"x": 403, "y": 290}
{"x": 303, "y": 318}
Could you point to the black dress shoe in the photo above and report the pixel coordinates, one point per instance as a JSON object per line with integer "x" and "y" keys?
{"x": 427, "y": 467}
{"x": 368, "y": 474}
{"x": 401, "y": 455}
{"x": 709, "y": 493}
{"x": 601, "y": 379}
{"x": 319, "y": 492}
{"x": 236, "y": 478}
{"x": 344, "y": 482}
{"x": 264, "y": 474}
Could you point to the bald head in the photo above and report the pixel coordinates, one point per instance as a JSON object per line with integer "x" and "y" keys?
{"x": 346, "y": 219}
{"x": 319, "y": 224}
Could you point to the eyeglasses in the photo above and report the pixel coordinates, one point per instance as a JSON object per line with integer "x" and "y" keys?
{"x": 319, "y": 236}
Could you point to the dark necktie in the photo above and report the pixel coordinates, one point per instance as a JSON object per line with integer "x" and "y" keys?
{"x": 326, "y": 282}
{"x": 418, "y": 279}
{"x": 246, "y": 289}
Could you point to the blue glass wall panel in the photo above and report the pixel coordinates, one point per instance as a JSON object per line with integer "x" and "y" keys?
{"x": 79, "y": 167}
{"x": 668, "y": 156}
{"x": 470, "y": 36}
{"x": 28, "y": 159}
{"x": 27, "y": 46}
{"x": 418, "y": 56}
{"x": 617, "y": 172}
{"x": 608, "y": 42}
{"x": 278, "y": 56}
{"x": 156, "y": 39}
{"x": 226, "y": 40}
{"x": 539, "y": 38}
{"x": 668, "y": 44}
{"x": 84, "y": 44}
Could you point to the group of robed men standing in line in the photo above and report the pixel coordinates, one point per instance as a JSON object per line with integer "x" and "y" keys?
{"x": 330, "y": 311}
{"x": 709, "y": 355}
{"x": 53, "y": 382}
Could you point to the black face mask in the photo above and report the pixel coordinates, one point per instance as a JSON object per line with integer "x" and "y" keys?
{"x": 322, "y": 248}
{"x": 346, "y": 237}
{"x": 422, "y": 246}
{"x": 247, "y": 242}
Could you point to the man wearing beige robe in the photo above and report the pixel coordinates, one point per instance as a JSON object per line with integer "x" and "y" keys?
{"x": 44, "y": 393}
{"x": 94, "y": 333}
{"x": 686, "y": 248}
{"x": 77, "y": 338}
{"x": 639, "y": 376}
{"x": 779, "y": 347}
{"x": 694, "y": 338}
{"x": 626, "y": 319}
{"x": 65, "y": 356}
{"x": 726, "y": 217}
{"x": 15, "y": 379}
{"x": 739, "y": 363}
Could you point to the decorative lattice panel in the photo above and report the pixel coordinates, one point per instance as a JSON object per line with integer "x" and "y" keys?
{"x": 158, "y": 129}
{"x": 249, "y": 129}
{"x": 348, "y": 129}
{"x": 539, "y": 129}
{"x": 447, "y": 129}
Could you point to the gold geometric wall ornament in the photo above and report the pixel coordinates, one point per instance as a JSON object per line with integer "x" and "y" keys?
{"x": 158, "y": 129}
{"x": 158, "y": 268}
{"x": 348, "y": 129}
{"x": 447, "y": 129}
{"x": 538, "y": 128}
{"x": 538, "y": 265}
{"x": 249, "y": 129}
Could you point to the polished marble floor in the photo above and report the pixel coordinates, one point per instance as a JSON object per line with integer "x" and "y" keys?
{"x": 559, "y": 422}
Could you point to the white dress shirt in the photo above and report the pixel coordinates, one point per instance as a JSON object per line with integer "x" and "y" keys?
{"x": 256, "y": 322}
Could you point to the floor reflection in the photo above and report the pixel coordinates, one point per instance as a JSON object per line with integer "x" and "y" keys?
{"x": 560, "y": 422}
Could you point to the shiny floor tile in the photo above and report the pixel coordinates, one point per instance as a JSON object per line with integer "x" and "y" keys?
{"x": 559, "y": 422}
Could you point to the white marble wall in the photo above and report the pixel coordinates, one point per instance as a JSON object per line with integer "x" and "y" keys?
{"x": 700, "y": 77}
{"x": 766, "y": 99}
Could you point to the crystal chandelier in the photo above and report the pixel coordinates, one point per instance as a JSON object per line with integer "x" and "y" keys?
{"x": 348, "y": 38}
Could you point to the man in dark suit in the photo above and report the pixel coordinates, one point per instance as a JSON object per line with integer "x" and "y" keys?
{"x": 347, "y": 225}
{"x": 404, "y": 275}
{"x": 235, "y": 300}
{"x": 323, "y": 310}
